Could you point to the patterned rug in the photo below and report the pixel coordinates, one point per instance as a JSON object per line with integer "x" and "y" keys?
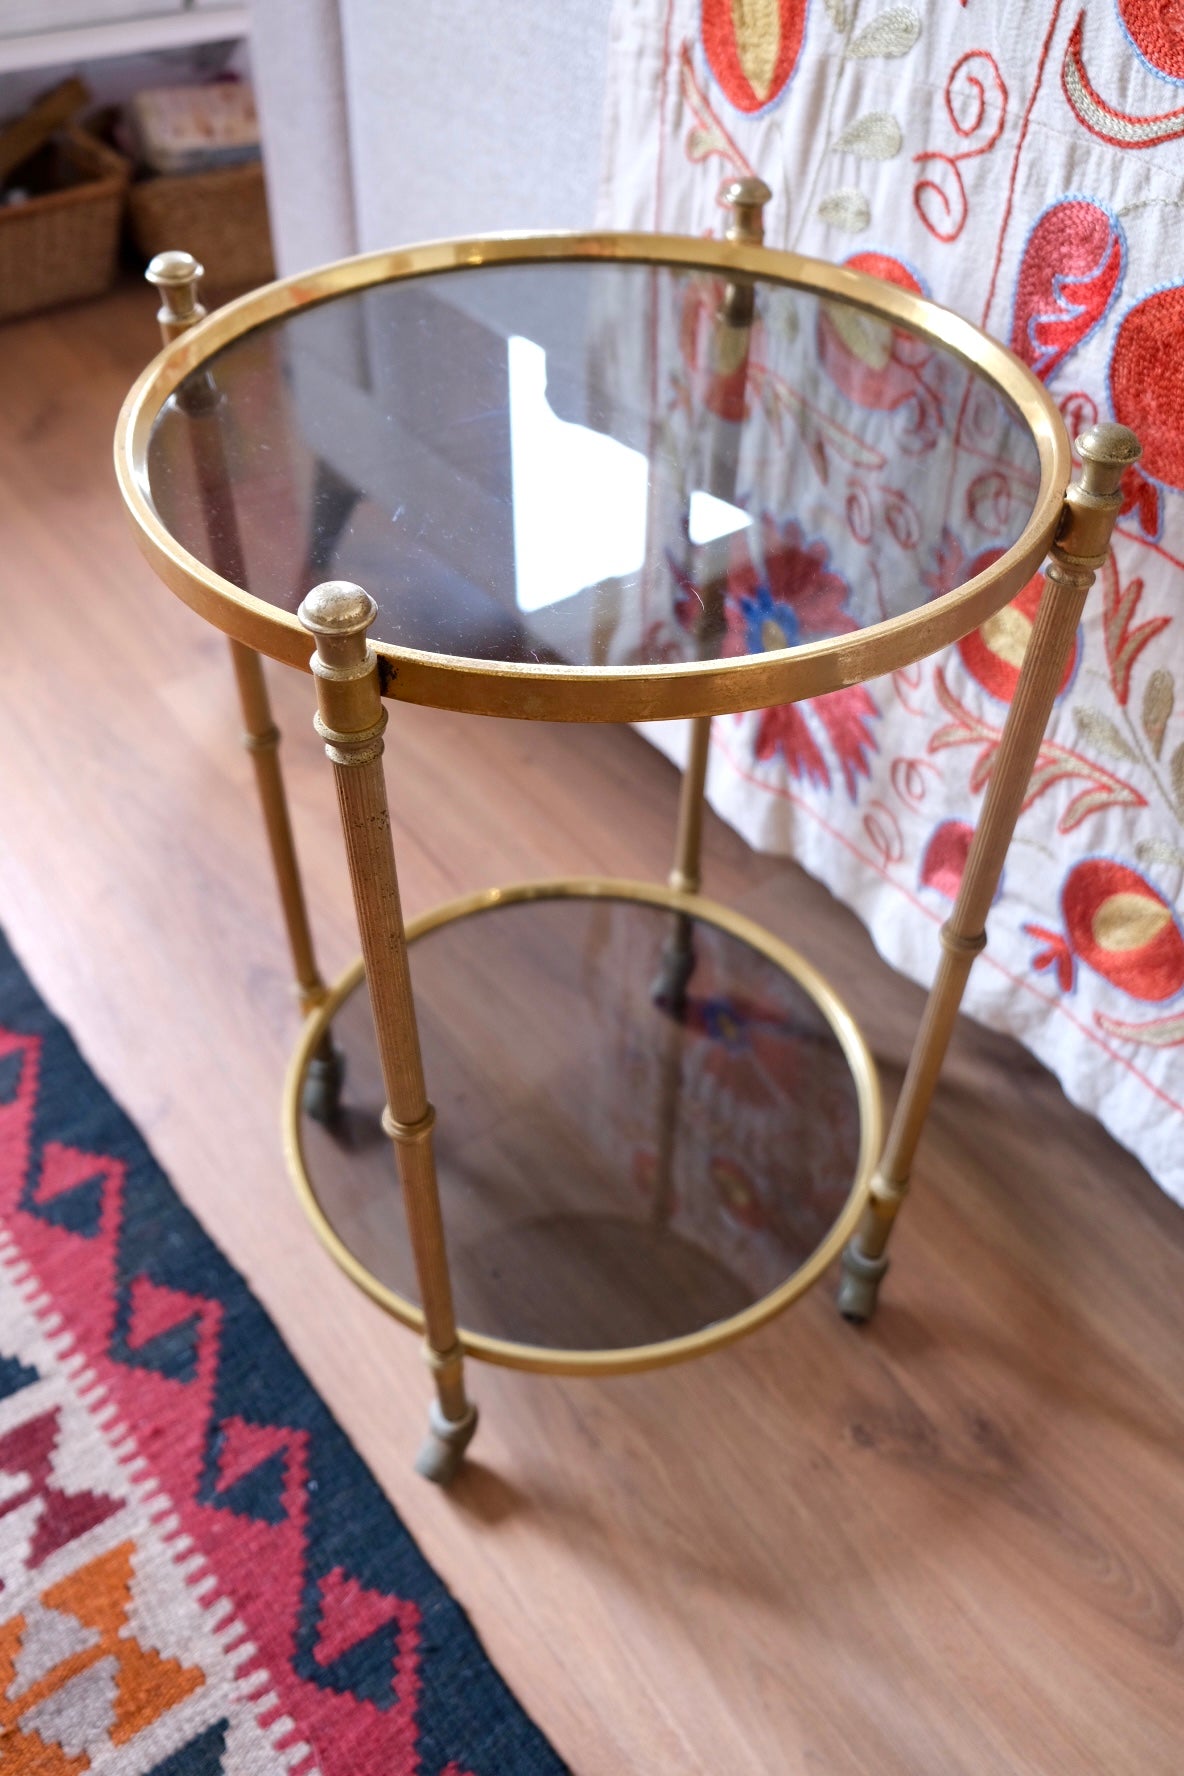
{"x": 198, "y": 1577}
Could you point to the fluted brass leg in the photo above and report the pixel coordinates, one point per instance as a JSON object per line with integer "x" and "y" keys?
{"x": 676, "y": 966}
{"x": 1091, "y": 507}
{"x": 678, "y": 963}
{"x": 350, "y": 720}
{"x": 744, "y": 201}
{"x": 687, "y": 874}
{"x": 262, "y": 738}
{"x": 176, "y": 277}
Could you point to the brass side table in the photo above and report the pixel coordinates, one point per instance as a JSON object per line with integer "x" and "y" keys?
{"x": 543, "y": 458}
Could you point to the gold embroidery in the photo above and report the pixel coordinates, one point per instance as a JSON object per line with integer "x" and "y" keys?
{"x": 757, "y": 25}
{"x": 1006, "y": 634}
{"x": 1128, "y": 922}
{"x": 866, "y": 338}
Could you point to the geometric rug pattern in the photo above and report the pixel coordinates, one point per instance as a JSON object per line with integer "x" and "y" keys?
{"x": 198, "y": 1575}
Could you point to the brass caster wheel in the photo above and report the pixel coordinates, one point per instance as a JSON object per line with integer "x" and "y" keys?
{"x": 443, "y": 1451}
{"x": 859, "y": 1285}
{"x": 321, "y": 1096}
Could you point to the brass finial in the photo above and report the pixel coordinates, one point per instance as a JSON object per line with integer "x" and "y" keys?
{"x": 1106, "y": 451}
{"x": 338, "y": 613}
{"x": 337, "y": 607}
{"x": 176, "y": 276}
{"x": 746, "y": 199}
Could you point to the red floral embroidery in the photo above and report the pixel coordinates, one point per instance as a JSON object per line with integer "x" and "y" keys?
{"x": 1054, "y": 764}
{"x": 785, "y": 730}
{"x": 1124, "y": 644}
{"x": 753, "y": 51}
{"x": 1055, "y": 957}
{"x": 1147, "y": 391}
{"x": 846, "y": 715}
{"x": 949, "y": 562}
{"x": 794, "y": 596}
{"x": 883, "y": 833}
{"x": 882, "y": 368}
{"x": 1156, "y": 28}
{"x": 893, "y": 271}
{"x": 941, "y": 202}
{"x": 944, "y": 860}
{"x": 1123, "y": 929}
{"x": 1071, "y": 270}
{"x": 994, "y": 653}
{"x": 1122, "y": 129}
{"x": 799, "y": 576}
{"x": 798, "y": 597}
{"x": 1079, "y": 410}
{"x": 707, "y": 135}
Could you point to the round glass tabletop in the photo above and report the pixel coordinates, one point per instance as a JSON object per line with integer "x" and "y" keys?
{"x": 647, "y": 1125}
{"x": 574, "y": 479}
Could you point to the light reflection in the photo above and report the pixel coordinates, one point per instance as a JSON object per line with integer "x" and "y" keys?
{"x": 580, "y": 497}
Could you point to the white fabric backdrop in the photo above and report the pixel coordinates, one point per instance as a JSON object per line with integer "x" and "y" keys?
{"x": 1023, "y": 164}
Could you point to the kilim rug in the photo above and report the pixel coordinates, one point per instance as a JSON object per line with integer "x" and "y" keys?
{"x": 198, "y": 1576}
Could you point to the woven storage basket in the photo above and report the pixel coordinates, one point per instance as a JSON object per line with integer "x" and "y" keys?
{"x": 61, "y": 245}
{"x": 220, "y": 217}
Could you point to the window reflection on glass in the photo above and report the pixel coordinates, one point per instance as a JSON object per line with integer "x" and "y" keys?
{"x": 580, "y": 497}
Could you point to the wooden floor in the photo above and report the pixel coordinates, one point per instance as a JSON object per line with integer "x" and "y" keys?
{"x": 951, "y": 1543}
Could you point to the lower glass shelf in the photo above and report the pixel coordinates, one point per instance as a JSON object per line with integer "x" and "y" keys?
{"x": 656, "y": 1125}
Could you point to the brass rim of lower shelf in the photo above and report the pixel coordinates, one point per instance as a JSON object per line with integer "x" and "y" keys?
{"x": 627, "y": 1360}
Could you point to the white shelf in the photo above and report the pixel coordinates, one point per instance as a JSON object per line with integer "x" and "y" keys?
{"x": 124, "y": 37}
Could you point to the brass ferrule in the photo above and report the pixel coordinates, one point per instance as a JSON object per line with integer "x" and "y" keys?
{"x": 1069, "y": 577}
{"x": 265, "y": 741}
{"x": 888, "y": 1192}
{"x": 440, "y": 1362}
{"x": 407, "y": 1133}
{"x": 344, "y": 717}
{"x": 342, "y": 659}
{"x": 346, "y": 748}
{"x": 1087, "y": 519}
{"x": 956, "y": 944}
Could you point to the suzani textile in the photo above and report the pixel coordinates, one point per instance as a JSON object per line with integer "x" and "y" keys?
{"x": 1022, "y": 164}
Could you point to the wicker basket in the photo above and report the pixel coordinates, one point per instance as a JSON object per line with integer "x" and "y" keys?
{"x": 220, "y": 217}
{"x": 61, "y": 243}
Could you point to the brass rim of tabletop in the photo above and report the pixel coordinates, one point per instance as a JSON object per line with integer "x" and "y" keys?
{"x": 586, "y": 693}
{"x": 627, "y": 1360}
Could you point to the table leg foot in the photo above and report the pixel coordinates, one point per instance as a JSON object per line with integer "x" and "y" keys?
{"x": 443, "y": 1450}
{"x": 321, "y": 1097}
{"x": 859, "y": 1285}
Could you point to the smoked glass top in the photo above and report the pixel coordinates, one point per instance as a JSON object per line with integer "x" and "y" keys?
{"x": 592, "y": 462}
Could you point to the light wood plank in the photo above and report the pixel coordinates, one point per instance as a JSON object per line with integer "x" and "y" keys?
{"x": 950, "y": 1545}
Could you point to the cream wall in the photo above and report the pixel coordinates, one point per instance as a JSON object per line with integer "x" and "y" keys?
{"x": 386, "y": 123}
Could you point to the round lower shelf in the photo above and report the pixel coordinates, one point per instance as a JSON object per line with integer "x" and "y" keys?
{"x": 656, "y": 1125}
